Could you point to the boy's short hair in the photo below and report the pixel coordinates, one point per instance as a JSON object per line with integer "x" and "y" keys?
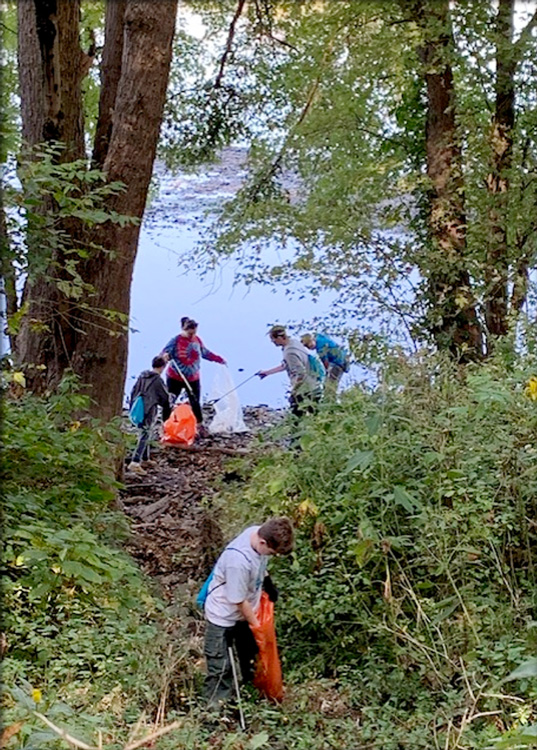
{"x": 278, "y": 534}
{"x": 158, "y": 362}
{"x": 306, "y": 339}
{"x": 277, "y": 331}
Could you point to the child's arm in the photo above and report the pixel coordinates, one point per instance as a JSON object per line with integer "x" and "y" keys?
{"x": 248, "y": 613}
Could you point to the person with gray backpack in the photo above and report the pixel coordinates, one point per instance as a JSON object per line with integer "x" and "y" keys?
{"x": 148, "y": 393}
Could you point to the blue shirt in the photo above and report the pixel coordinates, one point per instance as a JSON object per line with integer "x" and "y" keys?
{"x": 330, "y": 353}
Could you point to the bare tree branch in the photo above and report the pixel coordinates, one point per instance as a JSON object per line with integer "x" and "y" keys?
{"x": 229, "y": 43}
{"x": 525, "y": 36}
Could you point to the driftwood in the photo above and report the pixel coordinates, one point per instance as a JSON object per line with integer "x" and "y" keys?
{"x": 167, "y": 522}
{"x": 133, "y": 499}
{"x": 144, "y": 486}
{"x": 150, "y": 512}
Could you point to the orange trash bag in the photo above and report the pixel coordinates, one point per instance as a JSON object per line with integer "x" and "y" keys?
{"x": 180, "y": 427}
{"x": 268, "y": 673}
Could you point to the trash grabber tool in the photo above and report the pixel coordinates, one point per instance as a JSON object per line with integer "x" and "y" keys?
{"x": 234, "y": 389}
{"x": 237, "y": 690}
{"x": 185, "y": 381}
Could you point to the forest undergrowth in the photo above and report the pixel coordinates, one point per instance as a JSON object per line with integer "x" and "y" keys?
{"x": 406, "y": 617}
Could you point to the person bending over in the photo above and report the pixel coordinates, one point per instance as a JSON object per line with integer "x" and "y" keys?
{"x": 333, "y": 356}
{"x": 233, "y": 599}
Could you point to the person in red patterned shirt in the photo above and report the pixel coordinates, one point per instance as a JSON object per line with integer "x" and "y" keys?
{"x": 184, "y": 354}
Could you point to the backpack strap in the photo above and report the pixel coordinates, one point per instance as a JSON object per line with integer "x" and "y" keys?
{"x": 234, "y": 549}
{"x": 239, "y": 551}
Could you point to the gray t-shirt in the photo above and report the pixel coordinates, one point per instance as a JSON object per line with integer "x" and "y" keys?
{"x": 296, "y": 361}
{"x": 238, "y": 576}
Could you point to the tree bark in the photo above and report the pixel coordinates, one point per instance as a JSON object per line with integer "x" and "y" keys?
{"x": 497, "y": 261}
{"x": 58, "y": 333}
{"x": 31, "y": 74}
{"x": 110, "y": 75}
{"x": 455, "y": 324}
{"x": 7, "y": 275}
{"x": 101, "y": 359}
{"x": 50, "y": 61}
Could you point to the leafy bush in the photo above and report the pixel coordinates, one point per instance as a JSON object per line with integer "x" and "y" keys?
{"x": 413, "y": 578}
{"x": 79, "y": 618}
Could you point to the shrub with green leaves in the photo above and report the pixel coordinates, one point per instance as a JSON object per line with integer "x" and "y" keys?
{"x": 413, "y": 578}
{"x": 79, "y": 618}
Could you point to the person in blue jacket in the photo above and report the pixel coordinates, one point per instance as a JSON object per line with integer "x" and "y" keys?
{"x": 333, "y": 356}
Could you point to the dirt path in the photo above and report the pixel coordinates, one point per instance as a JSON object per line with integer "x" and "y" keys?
{"x": 175, "y": 537}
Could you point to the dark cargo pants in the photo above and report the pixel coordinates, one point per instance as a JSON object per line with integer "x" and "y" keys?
{"x": 218, "y": 686}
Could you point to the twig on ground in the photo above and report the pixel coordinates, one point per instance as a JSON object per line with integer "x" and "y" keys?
{"x": 65, "y": 735}
{"x": 129, "y": 746}
{"x": 153, "y": 736}
{"x": 136, "y": 728}
{"x": 467, "y": 681}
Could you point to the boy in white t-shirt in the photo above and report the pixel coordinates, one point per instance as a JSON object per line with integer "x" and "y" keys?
{"x": 232, "y": 601}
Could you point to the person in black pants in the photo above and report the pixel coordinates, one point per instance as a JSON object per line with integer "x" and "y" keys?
{"x": 184, "y": 354}
{"x": 232, "y": 601}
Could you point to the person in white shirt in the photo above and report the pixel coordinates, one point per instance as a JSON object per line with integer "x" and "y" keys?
{"x": 233, "y": 598}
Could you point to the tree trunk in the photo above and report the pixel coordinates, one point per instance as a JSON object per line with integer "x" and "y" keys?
{"x": 100, "y": 358}
{"x": 110, "y": 75}
{"x": 57, "y": 333}
{"x": 7, "y": 277}
{"x": 497, "y": 261}
{"x": 31, "y": 74}
{"x": 454, "y": 321}
{"x": 50, "y": 62}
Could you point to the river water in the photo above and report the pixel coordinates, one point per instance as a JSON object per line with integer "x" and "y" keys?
{"x": 233, "y": 320}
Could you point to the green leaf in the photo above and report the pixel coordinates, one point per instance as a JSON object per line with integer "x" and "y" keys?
{"x": 34, "y": 555}
{"x": 360, "y": 460}
{"x": 37, "y": 739}
{"x": 258, "y": 740}
{"x": 40, "y": 591}
{"x": 275, "y": 486}
{"x": 526, "y": 738}
{"x": 78, "y": 570}
{"x": 527, "y": 669}
{"x": 22, "y": 698}
{"x": 373, "y": 424}
{"x": 445, "y": 613}
{"x": 362, "y": 551}
{"x": 405, "y": 499}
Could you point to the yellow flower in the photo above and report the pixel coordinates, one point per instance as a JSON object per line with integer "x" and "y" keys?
{"x": 75, "y": 426}
{"x": 37, "y": 695}
{"x": 531, "y": 388}
{"x": 308, "y": 508}
{"x": 18, "y": 377}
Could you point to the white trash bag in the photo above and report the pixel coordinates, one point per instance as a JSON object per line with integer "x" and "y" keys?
{"x": 228, "y": 410}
